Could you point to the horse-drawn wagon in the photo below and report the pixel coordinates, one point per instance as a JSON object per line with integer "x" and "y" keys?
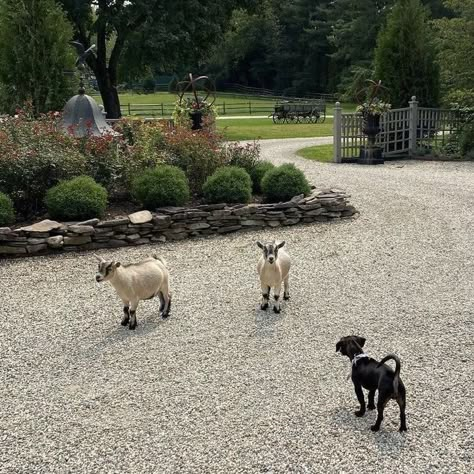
{"x": 299, "y": 112}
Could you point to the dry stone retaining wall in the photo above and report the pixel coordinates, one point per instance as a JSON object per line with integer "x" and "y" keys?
{"x": 172, "y": 223}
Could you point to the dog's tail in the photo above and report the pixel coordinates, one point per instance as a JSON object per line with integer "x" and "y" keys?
{"x": 396, "y": 377}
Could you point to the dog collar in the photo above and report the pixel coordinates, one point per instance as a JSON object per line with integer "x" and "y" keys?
{"x": 358, "y": 357}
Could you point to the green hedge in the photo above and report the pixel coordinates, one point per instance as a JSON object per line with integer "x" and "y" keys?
{"x": 258, "y": 172}
{"x": 77, "y": 199}
{"x": 228, "y": 184}
{"x": 283, "y": 183}
{"x": 164, "y": 185}
{"x": 7, "y": 212}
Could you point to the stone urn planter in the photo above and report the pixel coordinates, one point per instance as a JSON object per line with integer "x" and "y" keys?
{"x": 371, "y": 154}
{"x": 196, "y": 118}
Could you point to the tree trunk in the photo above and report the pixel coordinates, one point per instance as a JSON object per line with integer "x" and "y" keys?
{"x": 110, "y": 99}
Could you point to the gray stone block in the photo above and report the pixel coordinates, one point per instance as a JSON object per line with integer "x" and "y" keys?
{"x": 79, "y": 240}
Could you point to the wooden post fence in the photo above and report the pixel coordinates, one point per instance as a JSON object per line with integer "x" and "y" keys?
{"x": 337, "y": 129}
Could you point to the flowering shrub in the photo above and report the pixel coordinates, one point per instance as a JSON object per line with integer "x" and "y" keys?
{"x": 34, "y": 155}
{"x": 243, "y": 156}
{"x": 198, "y": 154}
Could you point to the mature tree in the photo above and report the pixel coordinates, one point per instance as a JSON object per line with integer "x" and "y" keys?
{"x": 457, "y": 49}
{"x": 354, "y": 27}
{"x": 405, "y": 57}
{"x": 34, "y": 53}
{"x": 250, "y": 48}
{"x": 145, "y": 32}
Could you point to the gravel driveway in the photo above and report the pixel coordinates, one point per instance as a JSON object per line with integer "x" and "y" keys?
{"x": 222, "y": 387}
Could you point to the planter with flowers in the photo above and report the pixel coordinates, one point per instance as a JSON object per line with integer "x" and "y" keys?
{"x": 371, "y": 111}
{"x": 191, "y": 109}
{"x": 195, "y": 113}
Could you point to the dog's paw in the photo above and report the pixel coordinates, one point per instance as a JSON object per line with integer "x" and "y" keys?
{"x": 359, "y": 413}
{"x": 370, "y": 407}
{"x": 374, "y": 428}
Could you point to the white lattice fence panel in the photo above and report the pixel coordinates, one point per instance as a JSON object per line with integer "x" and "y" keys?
{"x": 435, "y": 126}
{"x": 395, "y": 131}
{"x": 352, "y": 137}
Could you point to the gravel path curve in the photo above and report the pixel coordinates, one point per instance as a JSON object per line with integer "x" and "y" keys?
{"x": 221, "y": 387}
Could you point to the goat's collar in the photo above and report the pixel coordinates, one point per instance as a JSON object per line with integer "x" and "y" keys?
{"x": 357, "y": 357}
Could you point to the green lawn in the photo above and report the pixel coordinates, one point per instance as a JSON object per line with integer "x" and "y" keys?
{"x": 256, "y": 129}
{"x": 162, "y": 104}
{"x": 323, "y": 153}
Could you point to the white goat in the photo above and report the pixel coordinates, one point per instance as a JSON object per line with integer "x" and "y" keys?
{"x": 273, "y": 268}
{"x": 136, "y": 282}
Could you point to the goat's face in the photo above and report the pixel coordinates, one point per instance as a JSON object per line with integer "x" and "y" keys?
{"x": 270, "y": 251}
{"x": 105, "y": 270}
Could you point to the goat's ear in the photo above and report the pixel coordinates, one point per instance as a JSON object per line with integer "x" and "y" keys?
{"x": 338, "y": 346}
{"x": 280, "y": 245}
{"x": 260, "y": 244}
{"x": 117, "y": 264}
{"x": 360, "y": 340}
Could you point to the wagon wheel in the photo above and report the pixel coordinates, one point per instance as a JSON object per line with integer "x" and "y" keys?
{"x": 278, "y": 119}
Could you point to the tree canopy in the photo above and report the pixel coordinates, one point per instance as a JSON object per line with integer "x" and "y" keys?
{"x": 140, "y": 33}
{"x": 34, "y": 54}
{"x": 405, "y": 57}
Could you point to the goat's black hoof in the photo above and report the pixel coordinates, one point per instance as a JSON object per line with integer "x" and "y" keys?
{"x": 124, "y": 322}
{"x": 359, "y": 413}
{"x": 264, "y": 306}
{"x": 132, "y": 326}
{"x": 276, "y": 310}
{"x": 375, "y": 428}
{"x": 165, "y": 315}
{"x": 286, "y": 297}
{"x": 370, "y": 407}
{"x": 403, "y": 429}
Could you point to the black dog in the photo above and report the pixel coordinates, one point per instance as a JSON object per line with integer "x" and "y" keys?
{"x": 373, "y": 375}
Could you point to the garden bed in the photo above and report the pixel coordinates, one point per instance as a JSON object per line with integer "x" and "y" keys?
{"x": 172, "y": 223}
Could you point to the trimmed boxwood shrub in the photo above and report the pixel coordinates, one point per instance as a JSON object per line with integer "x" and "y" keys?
{"x": 258, "y": 172}
{"x": 228, "y": 184}
{"x": 7, "y": 212}
{"x": 77, "y": 199}
{"x": 164, "y": 185}
{"x": 283, "y": 183}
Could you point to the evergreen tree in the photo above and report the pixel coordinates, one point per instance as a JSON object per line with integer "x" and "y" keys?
{"x": 456, "y": 37}
{"x": 34, "y": 53}
{"x": 405, "y": 56}
{"x": 352, "y": 37}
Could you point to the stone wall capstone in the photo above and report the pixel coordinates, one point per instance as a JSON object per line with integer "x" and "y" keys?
{"x": 172, "y": 223}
